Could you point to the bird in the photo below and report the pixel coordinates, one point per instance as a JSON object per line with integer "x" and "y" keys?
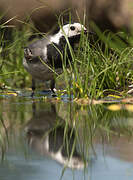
{"x": 43, "y": 57}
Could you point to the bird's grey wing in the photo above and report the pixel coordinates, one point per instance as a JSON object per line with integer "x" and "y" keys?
{"x": 36, "y": 49}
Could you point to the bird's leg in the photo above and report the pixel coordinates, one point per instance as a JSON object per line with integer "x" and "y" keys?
{"x": 52, "y": 86}
{"x": 34, "y": 108}
{"x": 33, "y": 87}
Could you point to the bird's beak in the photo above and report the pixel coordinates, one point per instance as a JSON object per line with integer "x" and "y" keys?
{"x": 85, "y": 31}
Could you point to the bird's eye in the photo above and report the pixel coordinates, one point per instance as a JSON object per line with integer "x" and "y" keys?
{"x": 72, "y": 28}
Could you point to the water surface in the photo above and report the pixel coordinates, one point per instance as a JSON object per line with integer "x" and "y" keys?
{"x": 46, "y": 139}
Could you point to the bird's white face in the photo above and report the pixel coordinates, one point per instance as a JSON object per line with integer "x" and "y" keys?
{"x": 69, "y": 30}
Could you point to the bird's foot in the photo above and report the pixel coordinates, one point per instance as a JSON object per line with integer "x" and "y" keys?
{"x": 54, "y": 92}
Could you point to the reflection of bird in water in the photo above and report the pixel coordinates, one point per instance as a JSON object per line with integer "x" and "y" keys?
{"x": 45, "y": 133}
{"x": 43, "y": 59}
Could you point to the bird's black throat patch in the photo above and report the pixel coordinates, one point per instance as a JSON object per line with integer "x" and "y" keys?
{"x": 55, "y": 52}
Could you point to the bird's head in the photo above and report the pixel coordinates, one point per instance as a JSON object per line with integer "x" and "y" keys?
{"x": 69, "y": 31}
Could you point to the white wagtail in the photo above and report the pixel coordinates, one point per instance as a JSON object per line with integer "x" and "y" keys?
{"x": 43, "y": 58}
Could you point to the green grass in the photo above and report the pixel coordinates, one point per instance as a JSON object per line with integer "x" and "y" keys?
{"x": 98, "y": 67}
{"x": 12, "y": 42}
